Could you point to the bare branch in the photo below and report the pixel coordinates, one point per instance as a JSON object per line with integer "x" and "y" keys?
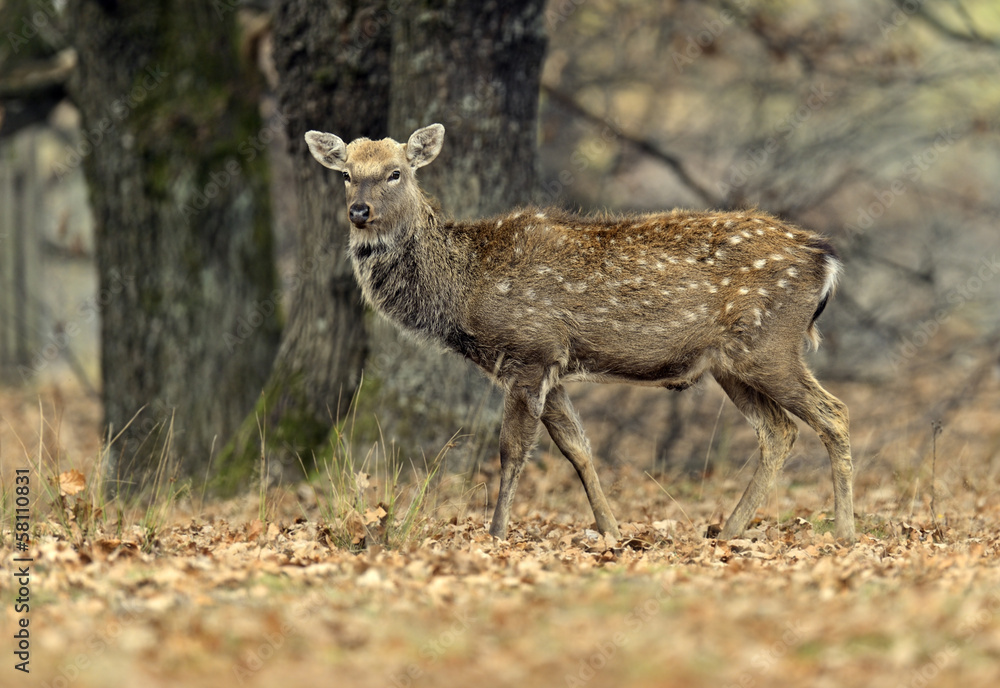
{"x": 972, "y": 37}
{"x": 672, "y": 161}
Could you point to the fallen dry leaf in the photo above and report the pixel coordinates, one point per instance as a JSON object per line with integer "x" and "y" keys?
{"x": 374, "y": 515}
{"x": 71, "y": 482}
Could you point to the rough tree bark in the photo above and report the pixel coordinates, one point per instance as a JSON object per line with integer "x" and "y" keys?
{"x": 474, "y": 67}
{"x": 180, "y": 198}
{"x": 333, "y": 64}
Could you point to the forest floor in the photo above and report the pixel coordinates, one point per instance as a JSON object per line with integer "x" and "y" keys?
{"x": 269, "y": 590}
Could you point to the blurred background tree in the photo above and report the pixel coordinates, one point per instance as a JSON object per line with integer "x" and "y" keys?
{"x": 374, "y": 69}
{"x": 331, "y": 72}
{"x": 168, "y": 114}
{"x": 475, "y": 68}
{"x": 873, "y": 122}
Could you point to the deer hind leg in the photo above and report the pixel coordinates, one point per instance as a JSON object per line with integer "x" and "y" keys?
{"x": 517, "y": 436}
{"x": 564, "y": 426}
{"x": 801, "y": 394}
{"x": 776, "y": 434}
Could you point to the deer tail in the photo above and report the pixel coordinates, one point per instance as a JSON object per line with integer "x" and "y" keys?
{"x": 833, "y": 268}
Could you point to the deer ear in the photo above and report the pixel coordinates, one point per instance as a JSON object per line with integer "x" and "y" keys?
{"x": 424, "y": 145}
{"x": 330, "y": 150}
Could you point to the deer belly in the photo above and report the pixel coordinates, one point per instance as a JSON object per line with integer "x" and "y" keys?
{"x": 674, "y": 370}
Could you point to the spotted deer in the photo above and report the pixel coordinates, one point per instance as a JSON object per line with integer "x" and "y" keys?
{"x": 538, "y": 297}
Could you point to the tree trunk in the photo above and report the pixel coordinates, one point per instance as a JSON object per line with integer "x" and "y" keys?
{"x": 180, "y": 198}
{"x": 333, "y": 65}
{"x": 474, "y": 67}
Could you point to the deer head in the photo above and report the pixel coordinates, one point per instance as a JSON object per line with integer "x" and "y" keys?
{"x": 379, "y": 176}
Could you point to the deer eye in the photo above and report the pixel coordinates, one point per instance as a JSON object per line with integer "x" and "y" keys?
{"x": 347, "y": 177}
{"x": 394, "y": 176}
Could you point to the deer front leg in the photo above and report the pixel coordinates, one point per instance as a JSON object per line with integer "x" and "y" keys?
{"x": 517, "y": 436}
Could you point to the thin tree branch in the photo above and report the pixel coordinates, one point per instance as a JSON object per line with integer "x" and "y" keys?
{"x": 671, "y": 160}
{"x": 973, "y": 37}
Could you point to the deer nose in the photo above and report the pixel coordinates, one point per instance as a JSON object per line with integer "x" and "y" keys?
{"x": 360, "y": 213}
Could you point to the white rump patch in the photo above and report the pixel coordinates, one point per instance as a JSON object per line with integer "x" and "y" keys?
{"x": 833, "y": 270}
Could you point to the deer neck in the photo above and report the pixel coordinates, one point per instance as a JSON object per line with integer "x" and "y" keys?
{"x": 411, "y": 274}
